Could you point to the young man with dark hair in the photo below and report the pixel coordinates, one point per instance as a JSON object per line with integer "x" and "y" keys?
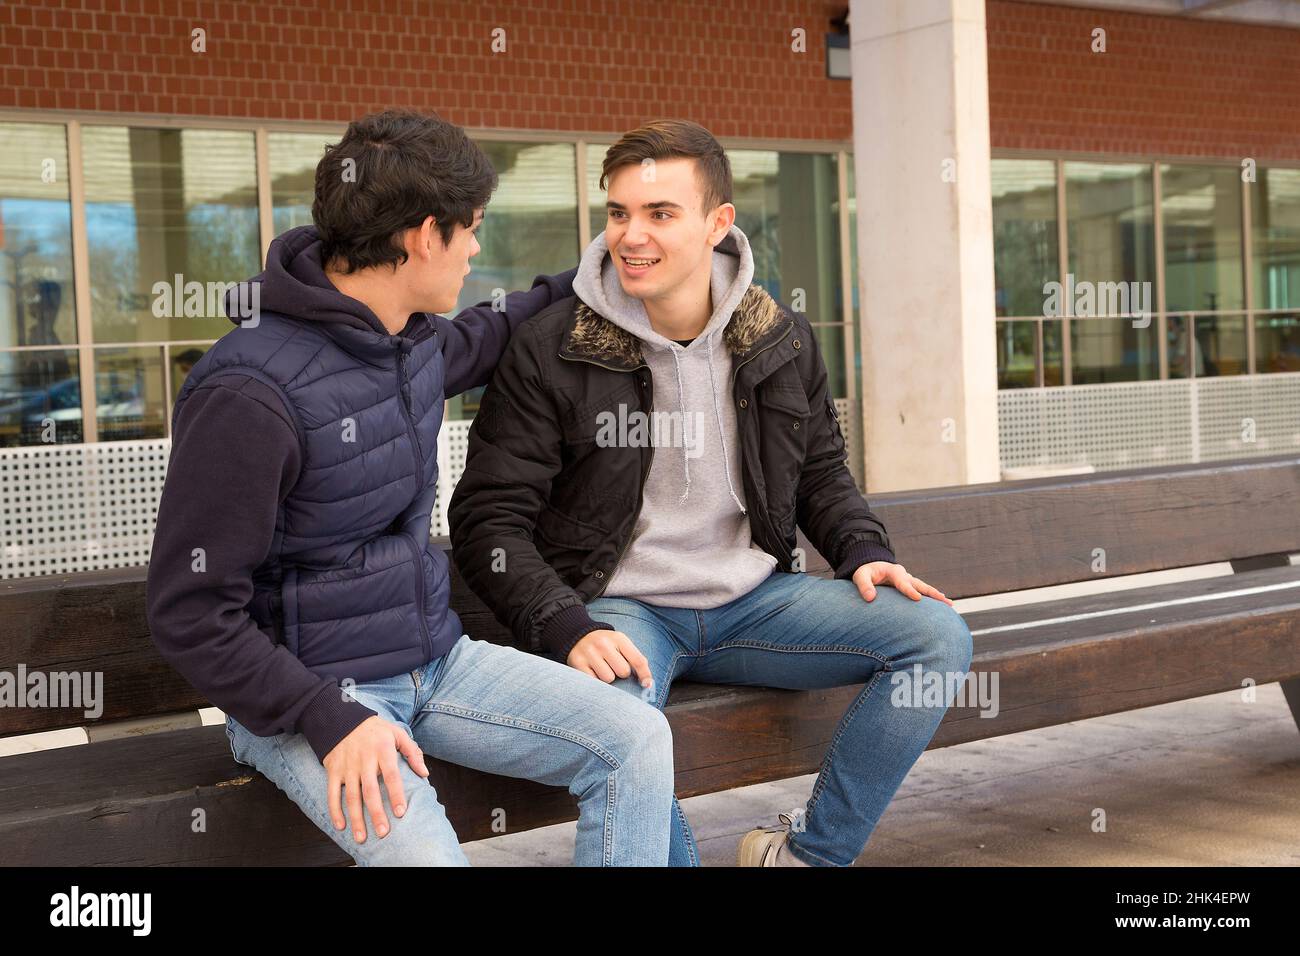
{"x": 641, "y": 459}
{"x": 292, "y": 578}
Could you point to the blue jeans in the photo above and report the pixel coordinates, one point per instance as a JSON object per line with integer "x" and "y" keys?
{"x": 803, "y": 632}
{"x": 498, "y": 709}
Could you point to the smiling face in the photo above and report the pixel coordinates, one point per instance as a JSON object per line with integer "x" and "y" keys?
{"x": 435, "y": 274}
{"x": 657, "y": 233}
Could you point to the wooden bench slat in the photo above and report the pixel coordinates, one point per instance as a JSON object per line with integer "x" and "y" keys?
{"x": 131, "y": 800}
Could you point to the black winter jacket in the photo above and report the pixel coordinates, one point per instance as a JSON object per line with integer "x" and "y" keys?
{"x": 542, "y": 514}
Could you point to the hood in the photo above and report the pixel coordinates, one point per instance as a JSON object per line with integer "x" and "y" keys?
{"x": 294, "y": 284}
{"x": 597, "y": 284}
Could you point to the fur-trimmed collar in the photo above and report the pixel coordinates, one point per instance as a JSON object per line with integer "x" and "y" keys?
{"x": 594, "y": 336}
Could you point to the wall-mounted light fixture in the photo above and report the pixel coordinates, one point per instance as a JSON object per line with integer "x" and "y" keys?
{"x": 837, "y": 48}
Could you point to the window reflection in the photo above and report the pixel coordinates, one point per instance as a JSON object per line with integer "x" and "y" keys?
{"x": 1202, "y": 222}
{"x": 183, "y": 358}
{"x": 292, "y": 158}
{"x": 530, "y": 227}
{"x": 1112, "y": 350}
{"x": 1277, "y": 343}
{"x": 1275, "y": 227}
{"x": 1024, "y": 234}
{"x": 1110, "y": 225}
{"x": 129, "y": 394}
{"x": 36, "y": 302}
{"x": 162, "y": 203}
{"x": 40, "y": 397}
{"x": 1017, "y": 348}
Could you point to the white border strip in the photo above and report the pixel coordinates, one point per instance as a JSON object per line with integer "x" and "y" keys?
{"x": 1195, "y": 599}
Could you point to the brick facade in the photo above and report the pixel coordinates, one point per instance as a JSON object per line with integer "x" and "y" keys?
{"x": 1165, "y": 85}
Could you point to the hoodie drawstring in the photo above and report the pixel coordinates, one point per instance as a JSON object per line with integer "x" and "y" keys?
{"x": 681, "y": 404}
{"x": 722, "y": 432}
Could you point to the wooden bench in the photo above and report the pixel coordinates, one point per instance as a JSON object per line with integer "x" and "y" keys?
{"x": 131, "y": 800}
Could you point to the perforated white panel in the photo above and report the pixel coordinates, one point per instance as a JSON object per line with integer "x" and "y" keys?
{"x": 850, "y": 417}
{"x": 67, "y": 508}
{"x": 452, "y": 443}
{"x": 1132, "y": 424}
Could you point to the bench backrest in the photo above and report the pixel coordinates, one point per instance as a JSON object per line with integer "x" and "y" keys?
{"x": 967, "y": 540}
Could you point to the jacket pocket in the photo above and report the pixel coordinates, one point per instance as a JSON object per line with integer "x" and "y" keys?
{"x": 787, "y": 400}
{"x": 567, "y": 531}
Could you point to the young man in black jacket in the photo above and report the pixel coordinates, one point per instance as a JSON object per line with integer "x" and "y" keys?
{"x": 635, "y": 475}
{"x": 292, "y": 579}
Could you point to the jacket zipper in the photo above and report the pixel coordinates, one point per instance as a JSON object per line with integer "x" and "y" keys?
{"x": 735, "y": 374}
{"x": 645, "y": 470}
{"x": 426, "y": 642}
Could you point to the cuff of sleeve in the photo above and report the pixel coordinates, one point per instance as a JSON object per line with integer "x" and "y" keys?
{"x": 329, "y": 718}
{"x": 860, "y": 553}
{"x": 567, "y": 627}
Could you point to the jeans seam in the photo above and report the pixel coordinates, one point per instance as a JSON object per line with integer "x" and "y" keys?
{"x": 611, "y": 797}
{"x": 839, "y": 733}
{"x": 672, "y": 666}
{"x": 803, "y": 648}
{"x": 299, "y": 796}
{"x": 533, "y": 726}
{"x": 690, "y": 843}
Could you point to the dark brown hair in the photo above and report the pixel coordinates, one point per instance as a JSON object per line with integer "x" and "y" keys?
{"x": 405, "y": 165}
{"x": 672, "y": 139}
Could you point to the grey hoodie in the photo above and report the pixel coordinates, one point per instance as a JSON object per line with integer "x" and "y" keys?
{"x": 692, "y": 546}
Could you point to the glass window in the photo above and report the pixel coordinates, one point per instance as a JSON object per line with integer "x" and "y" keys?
{"x": 530, "y": 227}
{"x": 36, "y": 299}
{"x": 1277, "y": 343}
{"x": 1202, "y": 223}
{"x": 162, "y": 203}
{"x": 129, "y": 393}
{"x": 1275, "y": 226}
{"x": 1112, "y": 350}
{"x": 786, "y": 206}
{"x": 1017, "y": 345}
{"x": 1111, "y": 230}
{"x": 292, "y": 158}
{"x": 596, "y": 213}
{"x": 40, "y": 397}
{"x": 1221, "y": 344}
{"x": 1053, "y": 362}
{"x": 1218, "y": 348}
{"x": 1024, "y": 234}
{"x": 183, "y": 358}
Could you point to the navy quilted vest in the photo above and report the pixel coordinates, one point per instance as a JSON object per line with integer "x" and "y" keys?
{"x": 352, "y": 587}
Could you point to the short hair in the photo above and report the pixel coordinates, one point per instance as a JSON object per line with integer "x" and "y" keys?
{"x": 672, "y": 139}
{"x": 405, "y": 165}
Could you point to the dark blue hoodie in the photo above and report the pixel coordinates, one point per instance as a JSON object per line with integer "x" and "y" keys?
{"x": 291, "y": 549}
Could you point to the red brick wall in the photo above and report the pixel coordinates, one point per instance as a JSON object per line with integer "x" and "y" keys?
{"x": 1165, "y": 85}
{"x": 604, "y": 65}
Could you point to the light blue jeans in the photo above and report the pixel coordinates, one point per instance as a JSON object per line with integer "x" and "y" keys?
{"x": 801, "y": 631}
{"x": 500, "y": 710}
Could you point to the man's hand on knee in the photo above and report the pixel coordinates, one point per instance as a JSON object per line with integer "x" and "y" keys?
{"x": 358, "y": 761}
{"x": 896, "y": 576}
{"x": 607, "y": 655}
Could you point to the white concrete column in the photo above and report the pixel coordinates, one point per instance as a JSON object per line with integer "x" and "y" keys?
{"x": 925, "y": 243}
